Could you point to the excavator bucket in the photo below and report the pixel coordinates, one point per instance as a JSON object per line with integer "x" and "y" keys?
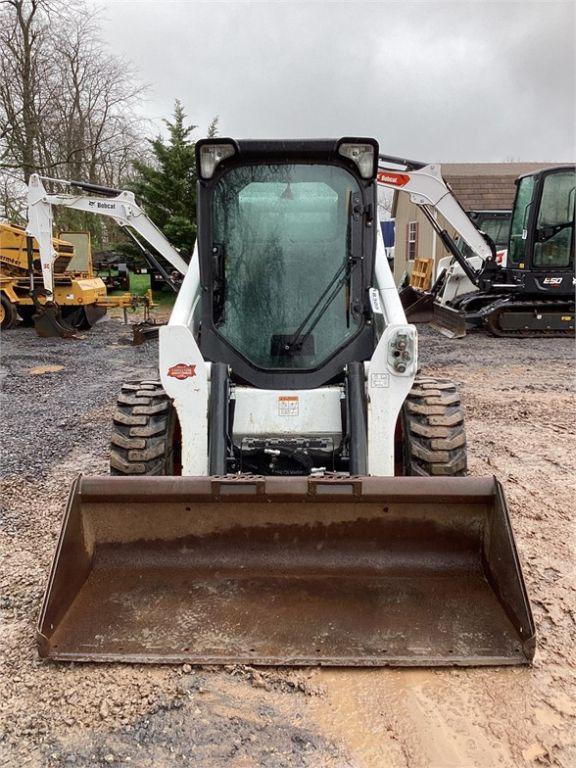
{"x": 142, "y": 332}
{"x": 418, "y": 305}
{"x": 49, "y": 323}
{"x": 289, "y": 571}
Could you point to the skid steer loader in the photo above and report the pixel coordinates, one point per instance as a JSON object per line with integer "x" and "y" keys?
{"x": 292, "y": 490}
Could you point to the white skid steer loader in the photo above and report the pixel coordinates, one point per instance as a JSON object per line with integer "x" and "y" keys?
{"x": 291, "y": 491}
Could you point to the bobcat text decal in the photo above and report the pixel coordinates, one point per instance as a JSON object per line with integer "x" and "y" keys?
{"x": 390, "y": 177}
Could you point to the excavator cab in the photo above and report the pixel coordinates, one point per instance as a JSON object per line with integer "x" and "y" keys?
{"x": 532, "y": 294}
{"x": 541, "y": 249}
{"x": 289, "y": 492}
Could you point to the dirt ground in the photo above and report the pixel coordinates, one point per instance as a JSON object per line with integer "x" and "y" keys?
{"x": 57, "y": 400}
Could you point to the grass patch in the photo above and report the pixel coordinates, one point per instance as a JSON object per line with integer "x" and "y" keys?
{"x": 139, "y": 283}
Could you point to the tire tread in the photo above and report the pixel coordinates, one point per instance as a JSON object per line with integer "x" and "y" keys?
{"x": 434, "y": 435}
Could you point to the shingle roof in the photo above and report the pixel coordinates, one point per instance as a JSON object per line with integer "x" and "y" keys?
{"x": 487, "y": 186}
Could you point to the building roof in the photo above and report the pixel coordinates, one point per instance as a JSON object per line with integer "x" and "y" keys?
{"x": 485, "y": 186}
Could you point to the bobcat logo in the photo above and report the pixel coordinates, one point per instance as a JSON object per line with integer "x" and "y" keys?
{"x": 182, "y": 371}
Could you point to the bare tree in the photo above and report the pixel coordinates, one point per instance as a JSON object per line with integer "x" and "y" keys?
{"x": 96, "y": 123}
{"x": 67, "y": 106}
{"x": 25, "y": 65}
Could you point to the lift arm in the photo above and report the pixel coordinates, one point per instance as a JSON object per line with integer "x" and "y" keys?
{"x": 429, "y": 191}
{"x": 115, "y": 204}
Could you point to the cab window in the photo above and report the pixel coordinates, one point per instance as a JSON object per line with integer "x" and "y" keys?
{"x": 554, "y": 240}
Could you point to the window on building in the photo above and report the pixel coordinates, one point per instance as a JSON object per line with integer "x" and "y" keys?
{"x": 412, "y": 241}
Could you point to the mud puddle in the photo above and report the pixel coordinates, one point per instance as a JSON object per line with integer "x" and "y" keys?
{"x": 412, "y": 718}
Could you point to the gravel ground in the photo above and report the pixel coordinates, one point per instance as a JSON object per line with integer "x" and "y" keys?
{"x": 57, "y": 400}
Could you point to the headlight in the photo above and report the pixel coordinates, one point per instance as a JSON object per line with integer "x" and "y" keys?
{"x": 363, "y": 155}
{"x": 211, "y": 155}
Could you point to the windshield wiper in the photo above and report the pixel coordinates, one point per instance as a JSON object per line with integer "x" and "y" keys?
{"x": 543, "y": 234}
{"x": 299, "y": 337}
{"x": 296, "y": 342}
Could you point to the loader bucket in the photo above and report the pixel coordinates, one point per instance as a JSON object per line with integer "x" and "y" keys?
{"x": 289, "y": 571}
{"x": 418, "y": 305}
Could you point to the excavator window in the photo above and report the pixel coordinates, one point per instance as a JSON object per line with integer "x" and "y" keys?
{"x": 554, "y": 239}
{"x": 516, "y": 254}
{"x": 282, "y": 234}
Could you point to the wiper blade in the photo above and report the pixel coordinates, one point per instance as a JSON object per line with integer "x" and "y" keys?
{"x": 543, "y": 234}
{"x": 327, "y": 296}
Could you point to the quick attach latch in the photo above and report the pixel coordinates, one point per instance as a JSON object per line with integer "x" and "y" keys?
{"x": 400, "y": 351}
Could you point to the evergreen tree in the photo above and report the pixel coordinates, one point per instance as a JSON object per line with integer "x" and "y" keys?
{"x": 166, "y": 187}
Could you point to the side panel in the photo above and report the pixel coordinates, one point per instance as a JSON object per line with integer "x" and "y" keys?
{"x": 387, "y": 386}
{"x": 387, "y": 389}
{"x": 185, "y": 375}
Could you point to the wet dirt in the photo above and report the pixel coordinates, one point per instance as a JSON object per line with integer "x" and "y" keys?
{"x": 519, "y": 399}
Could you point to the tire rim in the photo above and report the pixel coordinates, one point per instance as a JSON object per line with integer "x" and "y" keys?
{"x": 2, "y": 313}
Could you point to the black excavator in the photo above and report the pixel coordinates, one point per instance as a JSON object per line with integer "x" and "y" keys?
{"x": 532, "y": 293}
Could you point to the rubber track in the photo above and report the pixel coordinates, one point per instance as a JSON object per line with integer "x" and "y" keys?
{"x": 141, "y": 442}
{"x": 434, "y": 434}
{"x": 493, "y": 324}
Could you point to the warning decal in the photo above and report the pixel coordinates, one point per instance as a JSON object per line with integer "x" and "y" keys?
{"x": 288, "y": 405}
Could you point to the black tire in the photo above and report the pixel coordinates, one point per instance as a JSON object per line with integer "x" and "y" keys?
{"x": 8, "y": 313}
{"x": 145, "y": 432}
{"x": 433, "y": 432}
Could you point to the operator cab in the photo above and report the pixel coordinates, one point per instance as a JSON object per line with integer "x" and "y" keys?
{"x": 286, "y": 239}
{"x": 541, "y": 252}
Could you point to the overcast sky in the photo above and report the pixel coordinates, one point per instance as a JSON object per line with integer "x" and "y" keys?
{"x": 451, "y": 81}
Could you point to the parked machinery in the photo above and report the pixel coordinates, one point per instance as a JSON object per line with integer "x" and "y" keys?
{"x": 76, "y": 291}
{"x": 529, "y": 294}
{"x": 79, "y": 298}
{"x": 291, "y": 491}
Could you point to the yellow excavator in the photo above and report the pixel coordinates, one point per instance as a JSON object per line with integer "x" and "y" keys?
{"x": 77, "y": 292}
{"x": 79, "y": 298}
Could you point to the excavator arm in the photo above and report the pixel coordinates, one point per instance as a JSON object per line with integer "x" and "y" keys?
{"x": 429, "y": 191}
{"x": 115, "y": 204}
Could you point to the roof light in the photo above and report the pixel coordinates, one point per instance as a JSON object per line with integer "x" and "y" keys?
{"x": 363, "y": 155}
{"x": 211, "y": 155}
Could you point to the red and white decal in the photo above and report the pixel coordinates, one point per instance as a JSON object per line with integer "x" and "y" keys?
{"x": 182, "y": 371}
{"x": 502, "y": 257}
{"x": 552, "y": 281}
{"x": 393, "y": 178}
